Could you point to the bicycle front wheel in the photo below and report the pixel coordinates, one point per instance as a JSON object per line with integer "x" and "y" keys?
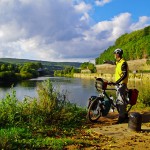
{"x": 94, "y": 111}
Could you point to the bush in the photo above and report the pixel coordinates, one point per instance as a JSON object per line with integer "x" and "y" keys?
{"x": 49, "y": 108}
{"x": 26, "y": 75}
{"x": 9, "y": 109}
{"x": 148, "y": 61}
{"x": 55, "y": 108}
{"x": 8, "y": 76}
{"x": 28, "y": 124}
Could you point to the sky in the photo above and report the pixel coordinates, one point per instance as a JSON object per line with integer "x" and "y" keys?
{"x": 67, "y": 30}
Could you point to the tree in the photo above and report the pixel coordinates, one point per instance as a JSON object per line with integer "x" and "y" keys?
{"x": 3, "y": 67}
{"x": 10, "y": 67}
{"x": 136, "y": 45}
{"x": 88, "y": 65}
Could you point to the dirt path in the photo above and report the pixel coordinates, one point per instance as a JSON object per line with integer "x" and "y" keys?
{"x": 106, "y": 135}
{"x": 120, "y": 135}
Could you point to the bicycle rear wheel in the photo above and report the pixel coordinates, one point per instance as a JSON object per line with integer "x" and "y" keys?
{"x": 94, "y": 111}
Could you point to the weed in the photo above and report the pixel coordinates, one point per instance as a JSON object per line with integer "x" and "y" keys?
{"x": 37, "y": 122}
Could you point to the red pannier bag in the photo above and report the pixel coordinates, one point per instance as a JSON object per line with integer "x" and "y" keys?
{"x": 133, "y": 95}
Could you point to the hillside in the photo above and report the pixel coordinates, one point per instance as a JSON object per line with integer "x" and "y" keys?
{"x": 47, "y": 64}
{"x": 136, "y": 45}
{"x": 139, "y": 65}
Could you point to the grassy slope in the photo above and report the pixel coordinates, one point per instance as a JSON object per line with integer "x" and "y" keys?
{"x": 133, "y": 65}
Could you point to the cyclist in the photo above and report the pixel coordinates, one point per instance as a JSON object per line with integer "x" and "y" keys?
{"x": 121, "y": 80}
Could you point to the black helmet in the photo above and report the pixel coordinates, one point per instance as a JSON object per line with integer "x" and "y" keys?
{"x": 118, "y": 51}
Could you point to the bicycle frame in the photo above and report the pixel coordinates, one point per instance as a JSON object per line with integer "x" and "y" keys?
{"x": 112, "y": 103}
{"x": 108, "y": 97}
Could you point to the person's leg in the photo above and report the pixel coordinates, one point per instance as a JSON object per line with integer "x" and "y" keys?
{"x": 121, "y": 103}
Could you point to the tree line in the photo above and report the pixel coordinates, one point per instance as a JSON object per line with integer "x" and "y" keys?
{"x": 70, "y": 70}
{"x": 15, "y": 72}
{"x": 136, "y": 45}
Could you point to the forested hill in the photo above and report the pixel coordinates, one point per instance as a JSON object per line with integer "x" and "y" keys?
{"x": 136, "y": 45}
{"x": 47, "y": 64}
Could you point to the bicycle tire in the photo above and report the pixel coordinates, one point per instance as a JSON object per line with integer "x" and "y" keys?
{"x": 94, "y": 111}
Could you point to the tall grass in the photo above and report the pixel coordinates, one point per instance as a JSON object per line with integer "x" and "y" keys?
{"x": 48, "y": 114}
{"x": 144, "y": 96}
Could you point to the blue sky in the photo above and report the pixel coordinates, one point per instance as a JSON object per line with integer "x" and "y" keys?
{"x": 114, "y": 7}
{"x": 66, "y": 30}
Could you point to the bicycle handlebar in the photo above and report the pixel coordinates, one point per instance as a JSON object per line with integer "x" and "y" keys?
{"x": 101, "y": 84}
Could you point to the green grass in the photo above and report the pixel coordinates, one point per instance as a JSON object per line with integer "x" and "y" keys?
{"x": 13, "y": 138}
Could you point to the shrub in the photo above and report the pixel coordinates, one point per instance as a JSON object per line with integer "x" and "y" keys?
{"x": 49, "y": 108}
{"x": 28, "y": 124}
{"x": 26, "y": 75}
{"x": 55, "y": 108}
{"x": 148, "y": 61}
{"x": 9, "y": 109}
{"x": 7, "y": 76}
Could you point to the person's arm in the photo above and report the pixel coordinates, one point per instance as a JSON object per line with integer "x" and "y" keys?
{"x": 109, "y": 62}
{"x": 124, "y": 69}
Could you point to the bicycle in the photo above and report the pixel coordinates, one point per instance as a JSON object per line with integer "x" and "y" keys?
{"x": 100, "y": 105}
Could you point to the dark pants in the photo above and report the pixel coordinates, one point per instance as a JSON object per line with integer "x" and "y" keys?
{"x": 121, "y": 100}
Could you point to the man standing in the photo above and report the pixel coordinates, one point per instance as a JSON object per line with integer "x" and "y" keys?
{"x": 121, "y": 80}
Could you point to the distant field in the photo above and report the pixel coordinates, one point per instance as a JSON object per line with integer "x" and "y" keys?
{"x": 133, "y": 65}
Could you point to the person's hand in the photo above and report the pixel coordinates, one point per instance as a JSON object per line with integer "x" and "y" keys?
{"x": 111, "y": 83}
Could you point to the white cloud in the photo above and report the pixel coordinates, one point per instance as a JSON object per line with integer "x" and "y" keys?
{"x": 82, "y": 7}
{"x": 110, "y": 30}
{"x": 142, "y": 22}
{"x": 58, "y": 30}
{"x": 102, "y": 2}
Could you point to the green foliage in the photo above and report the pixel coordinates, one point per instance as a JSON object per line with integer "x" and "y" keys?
{"x": 49, "y": 66}
{"x": 67, "y": 71}
{"x": 28, "y": 124}
{"x": 10, "y": 72}
{"x": 3, "y": 67}
{"x": 9, "y": 109}
{"x": 8, "y": 76}
{"x": 84, "y": 65}
{"x": 55, "y": 107}
{"x": 22, "y": 138}
{"x": 26, "y": 75}
{"x": 92, "y": 67}
{"x": 10, "y": 137}
{"x": 88, "y": 65}
{"x": 31, "y": 68}
{"x": 143, "y": 97}
{"x": 136, "y": 45}
{"x": 148, "y": 62}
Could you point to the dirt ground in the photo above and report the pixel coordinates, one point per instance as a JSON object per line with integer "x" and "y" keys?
{"x": 122, "y": 136}
{"x": 106, "y": 135}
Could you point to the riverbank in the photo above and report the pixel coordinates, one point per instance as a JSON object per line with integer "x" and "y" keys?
{"x": 132, "y": 76}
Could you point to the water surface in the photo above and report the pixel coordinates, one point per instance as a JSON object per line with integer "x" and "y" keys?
{"x": 77, "y": 90}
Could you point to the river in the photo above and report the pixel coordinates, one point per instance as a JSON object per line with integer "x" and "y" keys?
{"x": 77, "y": 90}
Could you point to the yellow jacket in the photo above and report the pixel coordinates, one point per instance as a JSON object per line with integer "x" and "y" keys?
{"x": 121, "y": 75}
